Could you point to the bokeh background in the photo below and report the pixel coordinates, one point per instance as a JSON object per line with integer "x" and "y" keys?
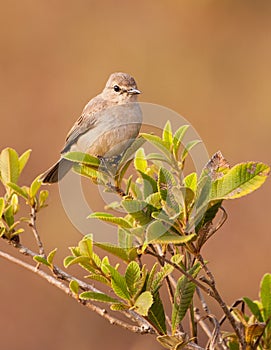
{"x": 208, "y": 60}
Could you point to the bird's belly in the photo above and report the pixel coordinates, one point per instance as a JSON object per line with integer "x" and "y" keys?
{"x": 114, "y": 142}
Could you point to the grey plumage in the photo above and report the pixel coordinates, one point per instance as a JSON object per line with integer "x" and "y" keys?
{"x": 106, "y": 127}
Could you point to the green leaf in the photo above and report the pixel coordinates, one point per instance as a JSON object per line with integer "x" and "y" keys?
{"x": 158, "y": 157}
{"x": 128, "y": 183}
{"x": 96, "y": 260}
{"x": 19, "y": 190}
{"x": 265, "y": 295}
{"x": 157, "y": 314}
{"x": 183, "y": 195}
{"x": 132, "y": 276}
{"x": 190, "y": 181}
{"x": 2, "y": 206}
{"x": 17, "y": 232}
{"x": 23, "y": 159}
{"x": 135, "y": 190}
{"x": 87, "y": 171}
{"x": 141, "y": 282}
{"x": 137, "y": 143}
{"x": 41, "y": 260}
{"x": 72, "y": 260}
{"x": 43, "y": 195}
{"x": 137, "y": 209}
{"x": 98, "y": 297}
{"x": 171, "y": 342}
{"x": 158, "y": 233}
{"x": 150, "y": 276}
{"x": 133, "y": 205}
{"x": 188, "y": 148}
{"x": 240, "y": 180}
{"x": 121, "y": 173}
{"x": 167, "y": 134}
{"x": 14, "y": 201}
{"x": 159, "y": 144}
{"x": 104, "y": 266}
{"x": 165, "y": 181}
{"x": 149, "y": 184}
{"x": 110, "y": 218}
{"x": 125, "y": 238}
{"x": 98, "y": 278}
{"x": 85, "y": 158}
{"x": 254, "y": 308}
{"x": 177, "y": 259}
{"x": 9, "y": 215}
{"x": 154, "y": 200}
{"x": 86, "y": 246}
{"x": 140, "y": 162}
{"x": 75, "y": 251}
{"x": 143, "y": 303}
{"x": 35, "y": 186}
{"x": 163, "y": 217}
{"x": 74, "y": 286}
{"x": 178, "y": 137}
{"x": 118, "y": 307}
{"x": 202, "y": 200}
{"x": 183, "y": 296}
{"x": 118, "y": 284}
{"x": 9, "y": 166}
{"x": 155, "y": 230}
{"x": 126, "y": 254}
{"x": 166, "y": 270}
{"x": 168, "y": 238}
{"x": 51, "y": 256}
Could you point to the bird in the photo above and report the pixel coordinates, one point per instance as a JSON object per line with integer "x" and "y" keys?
{"x": 106, "y": 128}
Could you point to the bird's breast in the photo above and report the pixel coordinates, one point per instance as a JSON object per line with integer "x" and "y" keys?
{"x": 115, "y": 129}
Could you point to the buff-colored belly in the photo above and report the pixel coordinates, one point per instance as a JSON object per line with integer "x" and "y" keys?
{"x": 114, "y": 131}
{"x": 114, "y": 142}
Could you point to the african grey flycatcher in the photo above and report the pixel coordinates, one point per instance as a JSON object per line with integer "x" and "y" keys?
{"x": 107, "y": 126}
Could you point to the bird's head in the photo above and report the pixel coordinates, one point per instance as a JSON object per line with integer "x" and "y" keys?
{"x": 121, "y": 88}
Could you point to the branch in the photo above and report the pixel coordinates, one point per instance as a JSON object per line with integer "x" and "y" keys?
{"x": 59, "y": 273}
{"x": 60, "y": 285}
{"x": 217, "y": 297}
{"x": 62, "y": 275}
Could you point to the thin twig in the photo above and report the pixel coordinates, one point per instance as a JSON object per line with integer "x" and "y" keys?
{"x": 33, "y": 226}
{"x": 59, "y": 273}
{"x": 212, "y": 336}
{"x": 220, "y": 224}
{"x": 191, "y": 278}
{"x": 193, "y": 346}
{"x": 217, "y": 297}
{"x": 202, "y": 324}
{"x": 203, "y": 302}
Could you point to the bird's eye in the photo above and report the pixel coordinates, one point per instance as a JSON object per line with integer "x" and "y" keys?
{"x": 116, "y": 88}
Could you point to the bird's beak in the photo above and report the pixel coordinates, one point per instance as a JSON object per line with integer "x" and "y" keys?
{"x": 133, "y": 92}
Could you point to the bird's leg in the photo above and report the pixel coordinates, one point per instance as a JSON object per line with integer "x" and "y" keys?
{"x": 110, "y": 166}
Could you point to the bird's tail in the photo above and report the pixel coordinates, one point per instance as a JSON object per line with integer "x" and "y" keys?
{"x": 57, "y": 171}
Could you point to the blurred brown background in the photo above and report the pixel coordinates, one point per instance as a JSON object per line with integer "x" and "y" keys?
{"x": 207, "y": 60}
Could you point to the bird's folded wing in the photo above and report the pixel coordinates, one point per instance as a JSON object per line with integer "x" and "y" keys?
{"x": 85, "y": 122}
